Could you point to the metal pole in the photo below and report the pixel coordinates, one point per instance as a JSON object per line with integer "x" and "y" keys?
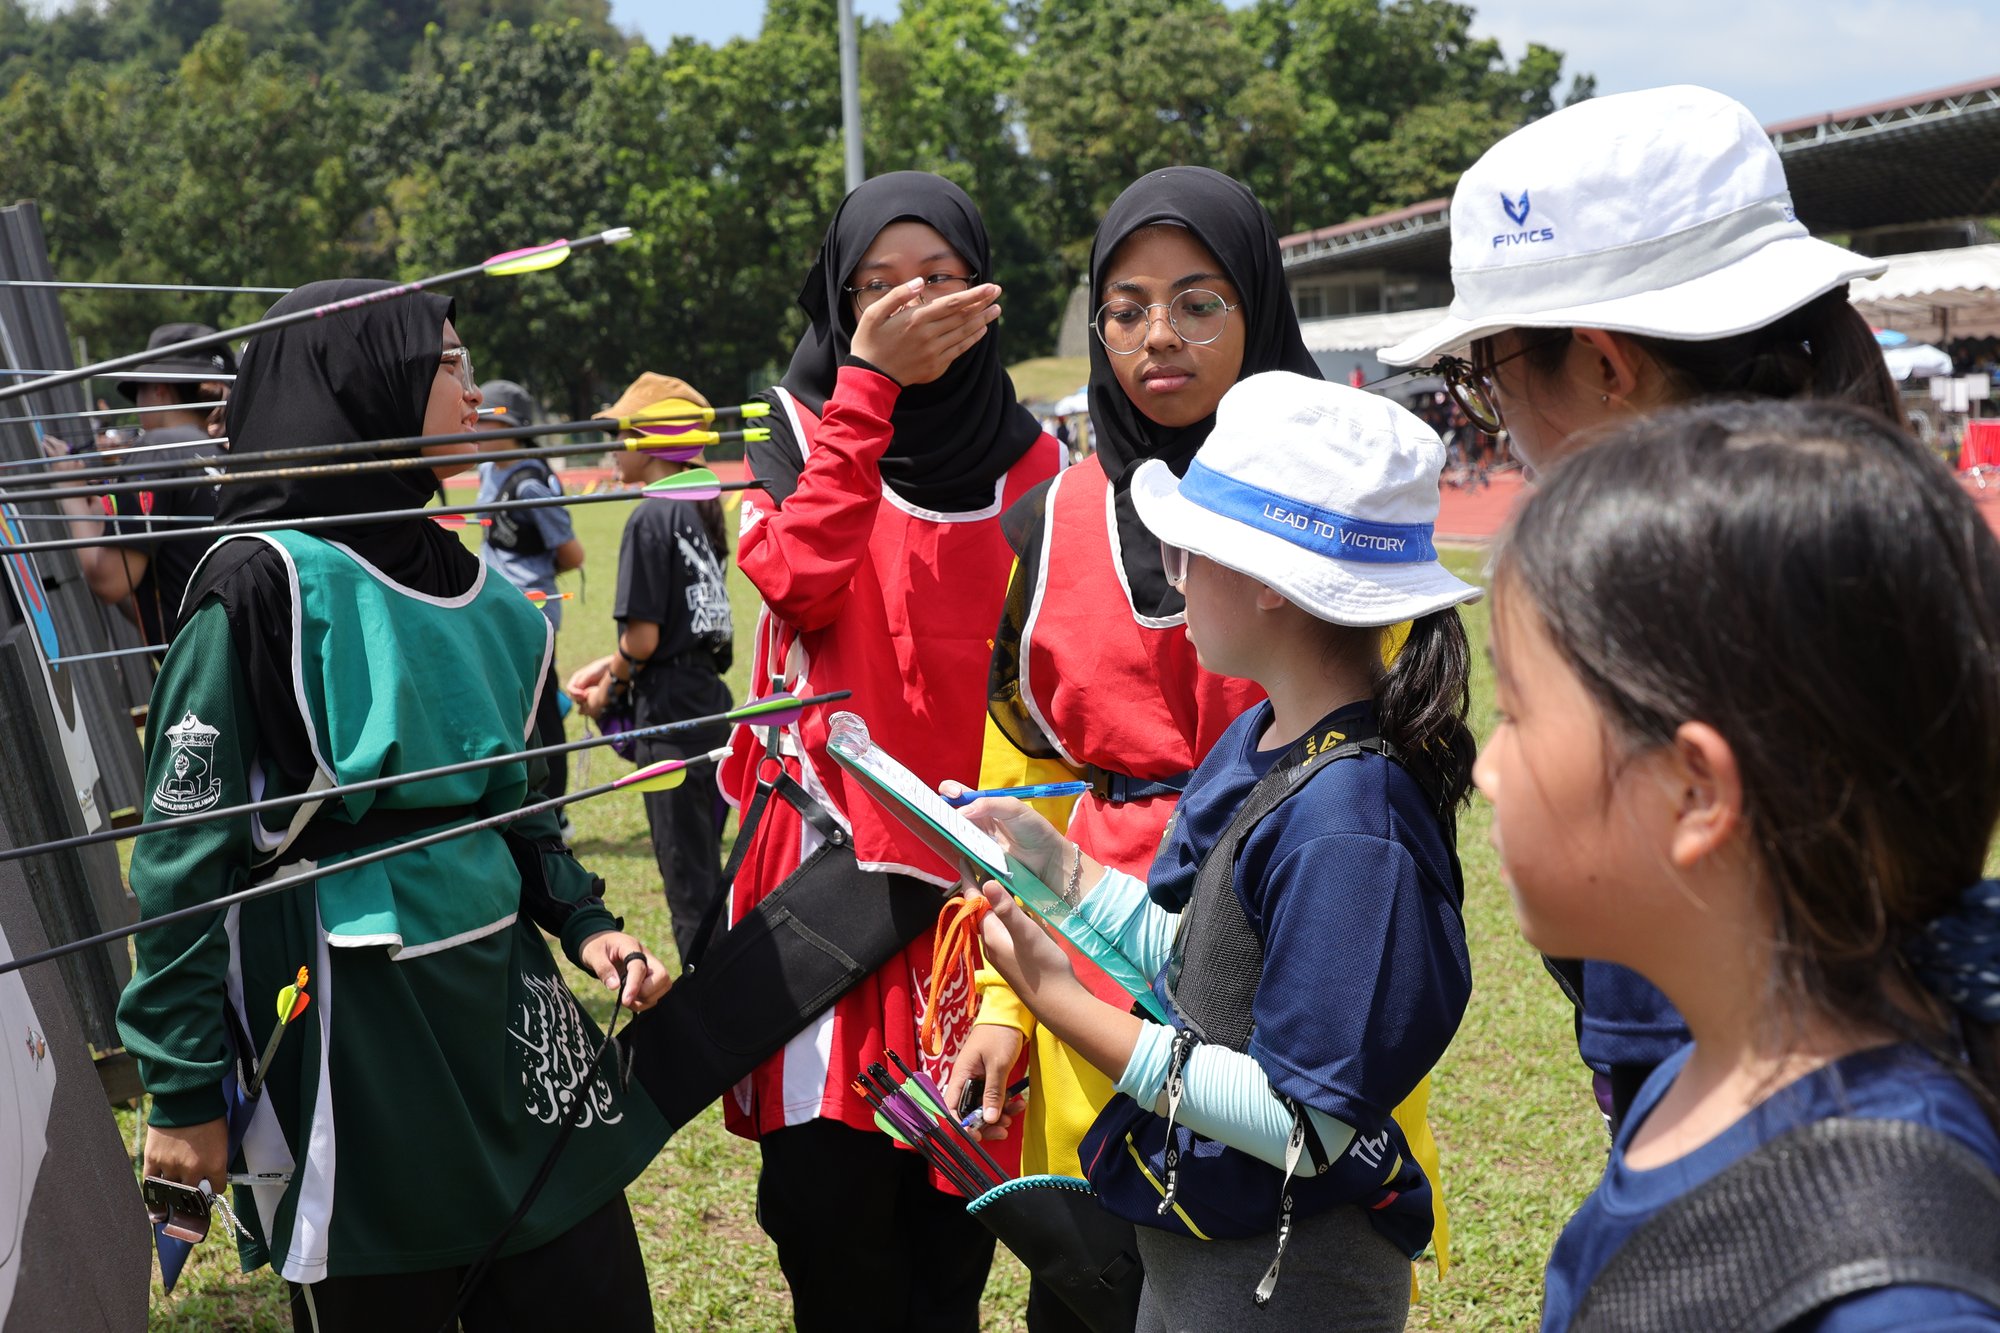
{"x": 850, "y": 95}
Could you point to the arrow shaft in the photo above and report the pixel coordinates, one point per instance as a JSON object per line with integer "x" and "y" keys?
{"x": 317, "y": 873}
{"x": 157, "y": 376}
{"x": 420, "y": 775}
{"x": 208, "y": 340}
{"x": 138, "y": 286}
{"x": 99, "y": 657}
{"x": 251, "y": 467}
{"x": 338, "y": 520}
{"x": 269, "y": 887}
{"x": 102, "y": 412}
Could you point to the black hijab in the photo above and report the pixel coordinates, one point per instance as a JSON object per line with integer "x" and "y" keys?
{"x": 362, "y": 374}
{"x": 958, "y": 435}
{"x": 1225, "y": 217}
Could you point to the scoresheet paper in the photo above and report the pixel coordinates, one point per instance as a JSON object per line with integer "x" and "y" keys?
{"x": 974, "y": 852}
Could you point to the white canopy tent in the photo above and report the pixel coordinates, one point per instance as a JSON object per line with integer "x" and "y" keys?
{"x": 1935, "y": 295}
{"x": 1341, "y": 344}
{"x": 1916, "y": 361}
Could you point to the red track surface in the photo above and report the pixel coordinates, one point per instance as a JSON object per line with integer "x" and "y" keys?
{"x": 1477, "y": 516}
{"x": 577, "y": 480}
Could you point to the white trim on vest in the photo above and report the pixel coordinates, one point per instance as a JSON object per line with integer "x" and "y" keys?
{"x": 1118, "y": 564}
{"x": 448, "y": 603}
{"x": 1028, "y": 699}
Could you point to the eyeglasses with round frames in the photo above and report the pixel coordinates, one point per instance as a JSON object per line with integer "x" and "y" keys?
{"x": 935, "y": 284}
{"x": 1197, "y": 315}
{"x": 1473, "y": 385}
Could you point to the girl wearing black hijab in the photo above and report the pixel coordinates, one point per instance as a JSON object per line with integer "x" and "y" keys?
{"x": 896, "y": 442}
{"x": 409, "y": 1107}
{"x": 1092, "y": 674}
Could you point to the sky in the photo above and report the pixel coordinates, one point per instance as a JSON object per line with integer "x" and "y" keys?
{"x": 1782, "y": 58}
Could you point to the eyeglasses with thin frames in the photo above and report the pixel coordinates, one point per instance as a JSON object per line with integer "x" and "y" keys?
{"x": 1197, "y": 316}
{"x": 1174, "y": 560}
{"x": 935, "y": 284}
{"x": 461, "y": 359}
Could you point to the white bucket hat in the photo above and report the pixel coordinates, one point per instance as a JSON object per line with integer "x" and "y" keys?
{"x": 1325, "y": 493}
{"x": 1663, "y": 213}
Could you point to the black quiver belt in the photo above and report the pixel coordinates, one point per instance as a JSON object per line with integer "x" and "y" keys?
{"x": 1823, "y": 1212}
{"x": 1086, "y": 1254}
{"x": 765, "y": 979}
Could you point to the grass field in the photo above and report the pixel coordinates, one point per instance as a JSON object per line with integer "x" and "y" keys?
{"x": 1521, "y": 1140}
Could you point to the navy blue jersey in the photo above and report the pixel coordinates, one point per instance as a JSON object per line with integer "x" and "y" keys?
{"x": 1625, "y": 1019}
{"x": 1887, "y": 1083}
{"x": 1350, "y": 885}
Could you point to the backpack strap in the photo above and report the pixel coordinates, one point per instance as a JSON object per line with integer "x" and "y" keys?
{"x": 512, "y": 530}
{"x": 1823, "y": 1212}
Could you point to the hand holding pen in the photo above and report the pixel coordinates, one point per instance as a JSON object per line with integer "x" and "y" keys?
{"x": 1034, "y": 791}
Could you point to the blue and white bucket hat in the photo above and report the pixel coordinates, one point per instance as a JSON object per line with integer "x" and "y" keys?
{"x": 1325, "y": 493}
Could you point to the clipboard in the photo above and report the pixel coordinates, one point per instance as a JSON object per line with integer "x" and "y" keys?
{"x": 974, "y": 853}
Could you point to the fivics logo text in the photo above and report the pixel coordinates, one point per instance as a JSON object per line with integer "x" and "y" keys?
{"x": 1517, "y": 213}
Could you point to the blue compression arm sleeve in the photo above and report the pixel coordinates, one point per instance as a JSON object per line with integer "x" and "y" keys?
{"x": 1118, "y": 909}
{"x": 1225, "y": 1096}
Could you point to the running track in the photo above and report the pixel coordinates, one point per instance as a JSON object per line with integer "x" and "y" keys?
{"x": 1475, "y": 517}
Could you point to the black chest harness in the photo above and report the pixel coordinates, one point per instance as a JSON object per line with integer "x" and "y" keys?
{"x": 513, "y": 531}
{"x": 1218, "y": 958}
{"x": 1829, "y": 1210}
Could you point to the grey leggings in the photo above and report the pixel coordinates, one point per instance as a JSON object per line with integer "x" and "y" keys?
{"x": 1339, "y": 1274}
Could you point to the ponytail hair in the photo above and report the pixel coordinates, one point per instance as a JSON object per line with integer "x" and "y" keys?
{"x": 1422, "y": 699}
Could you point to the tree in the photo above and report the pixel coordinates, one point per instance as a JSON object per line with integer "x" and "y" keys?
{"x": 728, "y": 163}
{"x": 484, "y": 148}
{"x": 231, "y": 170}
{"x": 1117, "y": 88}
{"x": 940, "y": 94}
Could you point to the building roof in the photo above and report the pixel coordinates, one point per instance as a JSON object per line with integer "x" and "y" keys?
{"x": 1935, "y": 293}
{"x": 1923, "y": 158}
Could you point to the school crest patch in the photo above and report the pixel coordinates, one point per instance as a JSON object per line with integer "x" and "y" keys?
{"x": 190, "y": 785}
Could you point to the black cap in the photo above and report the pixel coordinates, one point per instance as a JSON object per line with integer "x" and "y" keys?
{"x": 218, "y": 360}
{"x": 506, "y": 404}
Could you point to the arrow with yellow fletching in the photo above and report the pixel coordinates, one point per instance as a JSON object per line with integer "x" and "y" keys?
{"x": 508, "y": 264}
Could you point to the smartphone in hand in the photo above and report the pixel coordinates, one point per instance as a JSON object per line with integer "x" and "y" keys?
{"x": 181, "y": 1211}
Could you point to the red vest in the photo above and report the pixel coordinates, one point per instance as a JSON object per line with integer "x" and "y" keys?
{"x": 1109, "y": 687}
{"x": 863, "y": 591}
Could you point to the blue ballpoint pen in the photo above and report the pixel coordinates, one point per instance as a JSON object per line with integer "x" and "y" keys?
{"x": 1029, "y": 793}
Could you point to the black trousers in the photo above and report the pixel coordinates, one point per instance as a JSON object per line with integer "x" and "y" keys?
{"x": 590, "y": 1277}
{"x": 864, "y": 1240}
{"x": 687, "y": 839}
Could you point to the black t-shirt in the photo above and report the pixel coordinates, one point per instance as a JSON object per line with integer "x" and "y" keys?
{"x": 168, "y": 562}
{"x": 669, "y": 573}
